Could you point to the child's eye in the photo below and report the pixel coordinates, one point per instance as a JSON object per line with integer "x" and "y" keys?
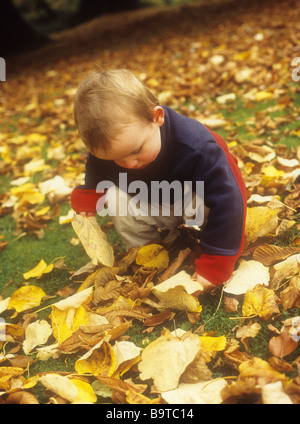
{"x": 137, "y": 151}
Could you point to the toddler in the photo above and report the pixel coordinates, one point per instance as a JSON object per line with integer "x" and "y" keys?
{"x": 135, "y": 144}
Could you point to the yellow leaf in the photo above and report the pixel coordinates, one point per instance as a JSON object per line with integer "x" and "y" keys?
{"x": 153, "y": 255}
{"x": 11, "y": 376}
{"x": 166, "y": 358}
{"x": 93, "y": 240}
{"x": 66, "y": 322}
{"x": 212, "y": 345}
{"x": 36, "y": 138}
{"x": 31, "y": 382}
{"x": 26, "y": 297}
{"x": 42, "y": 211}
{"x": 39, "y": 270}
{"x": 18, "y": 191}
{"x": 261, "y": 371}
{"x": 101, "y": 361}
{"x": 296, "y": 133}
{"x": 263, "y": 95}
{"x": 271, "y": 171}
{"x": 31, "y": 197}
{"x": 66, "y": 219}
{"x": 260, "y": 301}
{"x": 5, "y": 153}
{"x": 261, "y": 221}
{"x": 85, "y": 391}
{"x": 177, "y": 298}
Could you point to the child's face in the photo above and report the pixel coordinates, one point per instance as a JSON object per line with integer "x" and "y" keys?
{"x": 137, "y": 145}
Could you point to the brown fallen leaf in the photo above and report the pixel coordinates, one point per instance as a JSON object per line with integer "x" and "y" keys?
{"x": 176, "y": 264}
{"x": 134, "y": 398}
{"x": 115, "y": 288}
{"x": 282, "y": 345}
{"x": 253, "y": 375}
{"x": 290, "y": 297}
{"x": 21, "y": 398}
{"x": 81, "y": 340}
{"x": 249, "y": 330}
{"x": 3, "y": 245}
{"x": 280, "y": 364}
{"x": 197, "y": 370}
{"x": 102, "y": 276}
{"x": 121, "y": 387}
{"x": 284, "y": 270}
{"x": 269, "y": 254}
{"x": 233, "y": 354}
{"x": 231, "y": 304}
{"x": 158, "y": 319}
{"x": 21, "y": 361}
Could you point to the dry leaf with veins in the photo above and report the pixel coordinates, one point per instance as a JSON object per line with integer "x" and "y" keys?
{"x": 165, "y": 359}
{"x": 282, "y": 345}
{"x": 36, "y": 333}
{"x": 93, "y": 240}
{"x": 260, "y": 301}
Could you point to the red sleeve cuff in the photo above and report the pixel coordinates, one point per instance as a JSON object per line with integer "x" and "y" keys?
{"x": 216, "y": 269}
{"x": 83, "y": 200}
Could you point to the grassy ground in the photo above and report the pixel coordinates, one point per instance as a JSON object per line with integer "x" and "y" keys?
{"x": 23, "y": 253}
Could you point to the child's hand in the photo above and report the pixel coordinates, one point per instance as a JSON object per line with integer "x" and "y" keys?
{"x": 207, "y": 285}
{"x": 87, "y": 214}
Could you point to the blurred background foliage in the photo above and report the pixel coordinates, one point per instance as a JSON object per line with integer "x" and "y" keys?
{"x": 53, "y": 15}
{"x": 25, "y": 24}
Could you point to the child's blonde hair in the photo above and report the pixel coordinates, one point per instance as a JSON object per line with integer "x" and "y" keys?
{"x": 106, "y": 102}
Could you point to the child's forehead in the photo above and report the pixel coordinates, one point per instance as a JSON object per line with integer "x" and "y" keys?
{"x": 121, "y": 146}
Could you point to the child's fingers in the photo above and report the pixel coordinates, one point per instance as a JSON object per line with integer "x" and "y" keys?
{"x": 87, "y": 214}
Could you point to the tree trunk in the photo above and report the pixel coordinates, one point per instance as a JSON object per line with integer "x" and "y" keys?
{"x": 15, "y": 34}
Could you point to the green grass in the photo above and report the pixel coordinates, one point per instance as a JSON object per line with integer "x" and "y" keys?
{"x": 241, "y": 111}
{"x": 23, "y": 254}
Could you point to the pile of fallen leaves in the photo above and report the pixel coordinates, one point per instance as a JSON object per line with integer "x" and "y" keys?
{"x": 244, "y": 58}
{"x": 145, "y": 285}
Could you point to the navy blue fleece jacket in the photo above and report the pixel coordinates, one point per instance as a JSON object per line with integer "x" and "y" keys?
{"x": 189, "y": 152}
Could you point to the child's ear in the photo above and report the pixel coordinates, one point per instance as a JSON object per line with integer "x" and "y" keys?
{"x": 158, "y": 115}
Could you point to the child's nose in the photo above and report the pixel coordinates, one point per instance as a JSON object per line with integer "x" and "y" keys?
{"x": 132, "y": 164}
{"x": 129, "y": 163}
